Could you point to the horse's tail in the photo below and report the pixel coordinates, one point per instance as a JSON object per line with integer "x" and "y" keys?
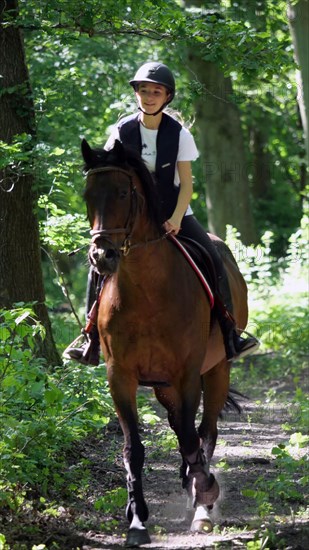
{"x": 232, "y": 402}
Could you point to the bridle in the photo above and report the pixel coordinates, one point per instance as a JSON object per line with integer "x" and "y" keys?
{"x": 130, "y": 223}
{"x": 136, "y": 199}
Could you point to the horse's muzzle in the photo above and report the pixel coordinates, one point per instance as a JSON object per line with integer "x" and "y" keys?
{"x": 104, "y": 260}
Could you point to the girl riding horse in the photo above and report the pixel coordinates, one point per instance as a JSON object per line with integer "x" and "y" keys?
{"x": 167, "y": 148}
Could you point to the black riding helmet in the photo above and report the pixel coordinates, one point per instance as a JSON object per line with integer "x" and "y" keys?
{"x": 158, "y": 73}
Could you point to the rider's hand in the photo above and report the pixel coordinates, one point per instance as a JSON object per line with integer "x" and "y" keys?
{"x": 171, "y": 227}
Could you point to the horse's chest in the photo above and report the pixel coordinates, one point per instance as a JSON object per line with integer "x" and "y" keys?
{"x": 150, "y": 336}
{"x": 145, "y": 344}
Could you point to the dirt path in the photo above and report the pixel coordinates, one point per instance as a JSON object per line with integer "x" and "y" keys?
{"x": 243, "y": 454}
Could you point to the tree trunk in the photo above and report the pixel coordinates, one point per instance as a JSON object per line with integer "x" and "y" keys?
{"x": 261, "y": 158}
{"x": 21, "y": 277}
{"x": 298, "y": 15}
{"x": 222, "y": 148}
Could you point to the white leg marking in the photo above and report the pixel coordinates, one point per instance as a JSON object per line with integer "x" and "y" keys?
{"x": 136, "y": 523}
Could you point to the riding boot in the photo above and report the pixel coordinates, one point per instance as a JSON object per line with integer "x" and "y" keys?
{"x": 235, "y": 345}
{"x": 86, "y": 347}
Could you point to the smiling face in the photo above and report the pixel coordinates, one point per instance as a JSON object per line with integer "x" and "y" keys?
{"x": 151, "y": 96}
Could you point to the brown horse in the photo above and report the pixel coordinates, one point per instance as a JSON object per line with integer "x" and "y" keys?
{"x": 156, "y": 327}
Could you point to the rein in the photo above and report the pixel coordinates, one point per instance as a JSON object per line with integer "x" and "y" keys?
{"x": 135, "y": 196}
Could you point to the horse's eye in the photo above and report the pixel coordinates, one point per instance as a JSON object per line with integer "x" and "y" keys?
{"x": 123, "y": 194}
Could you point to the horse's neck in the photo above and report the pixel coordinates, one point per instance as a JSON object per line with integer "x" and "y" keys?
{"x": 144, "y": 231}
{"x": 147, "y": 265}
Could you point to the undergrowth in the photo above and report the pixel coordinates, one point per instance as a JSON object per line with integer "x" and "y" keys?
{"x": 42, "y": 412}
{"x": 278, "y": 295}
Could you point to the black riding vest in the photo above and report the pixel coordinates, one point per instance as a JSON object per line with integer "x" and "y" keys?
{"x": 167, "y": 152}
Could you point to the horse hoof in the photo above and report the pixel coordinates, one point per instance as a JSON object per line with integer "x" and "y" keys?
{"x": 201, "y": 526}
{"x": 137, "y": 537}
{"x": 201, "y": 522}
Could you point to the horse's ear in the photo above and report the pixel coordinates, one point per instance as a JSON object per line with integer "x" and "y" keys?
{"x": 119, "y": 151}
{"x": 86, "y": 152}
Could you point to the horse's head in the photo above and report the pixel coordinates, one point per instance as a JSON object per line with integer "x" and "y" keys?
{"x": 115, "y": 196}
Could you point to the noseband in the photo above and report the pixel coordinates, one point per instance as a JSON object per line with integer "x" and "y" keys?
{"x": 130, "y": 223}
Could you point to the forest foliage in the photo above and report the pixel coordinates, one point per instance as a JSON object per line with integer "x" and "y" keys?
{"x": 80, "y": 59}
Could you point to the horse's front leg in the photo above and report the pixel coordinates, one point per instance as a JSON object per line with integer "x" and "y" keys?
{"x": 124, "y": 396}
{"x": 215, "y": 384}
{"x": 182, "y": 407}
{"x": 203, "y": 491}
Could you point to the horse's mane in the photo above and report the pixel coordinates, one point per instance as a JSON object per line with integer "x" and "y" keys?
{"x": 130, "y": 158}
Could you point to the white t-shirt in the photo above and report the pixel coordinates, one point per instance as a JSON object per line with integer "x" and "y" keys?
{"x": 187, "y": 150}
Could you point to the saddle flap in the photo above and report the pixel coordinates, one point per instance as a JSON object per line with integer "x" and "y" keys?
{"x": 200, "y": 261}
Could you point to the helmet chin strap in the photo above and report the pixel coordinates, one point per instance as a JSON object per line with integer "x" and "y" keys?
{"x": 157, "y": 112}
{"x": 152, "y": 114}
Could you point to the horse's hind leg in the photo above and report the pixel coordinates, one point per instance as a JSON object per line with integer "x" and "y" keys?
{"x": 124, "y": 397}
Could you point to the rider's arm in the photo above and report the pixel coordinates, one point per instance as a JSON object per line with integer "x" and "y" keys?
{"x": 185, "y": 193}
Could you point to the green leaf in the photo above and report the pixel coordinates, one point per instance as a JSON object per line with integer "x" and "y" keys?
{"x": 299, "y": 440}
{"x": 53, "y": 395}
{"x": 5, "y": 334}
{"x": 58, "y": 151}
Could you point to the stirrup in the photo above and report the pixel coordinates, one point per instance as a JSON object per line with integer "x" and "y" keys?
{"x": 85, "y": 349}
{"x": 79, "y": 343}
{"x": 254, "y": 346}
